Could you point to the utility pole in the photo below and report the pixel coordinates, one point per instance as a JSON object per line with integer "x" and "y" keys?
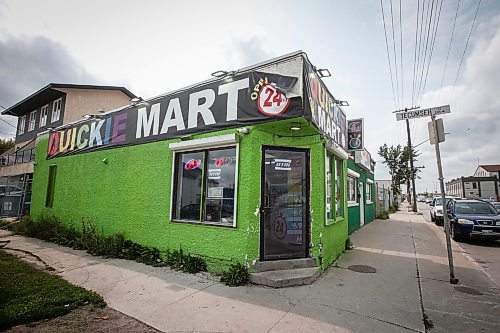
{"x": 412, "y": 173}
{"x": 446, "y": 222}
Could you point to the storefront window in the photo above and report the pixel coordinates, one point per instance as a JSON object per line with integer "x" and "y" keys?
{"x": 204, "y": 186}
{"x": 351, "y": 189}
{"x": 334, "y": 207}
{"x": 368, "y": 192}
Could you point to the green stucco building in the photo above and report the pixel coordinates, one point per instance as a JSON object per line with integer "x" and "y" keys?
{"x": 249, "y": 166}
{"x": 360, "y": 189}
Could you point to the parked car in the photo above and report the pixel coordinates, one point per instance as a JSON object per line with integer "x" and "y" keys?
{"x": 473, "y": 218}
{"x": 428, "y": 200}
{"x": 436, "y": 209}
{"x": 496, "y": 205}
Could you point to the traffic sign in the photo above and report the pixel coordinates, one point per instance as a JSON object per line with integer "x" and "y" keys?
{"x": 423, "y": 112}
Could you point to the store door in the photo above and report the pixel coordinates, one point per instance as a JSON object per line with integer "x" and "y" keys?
{"x": 284, "y": 203}
{"x": 361, "y": 204}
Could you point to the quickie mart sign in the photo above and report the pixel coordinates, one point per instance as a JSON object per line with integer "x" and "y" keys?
{"x": 246, "y": 99}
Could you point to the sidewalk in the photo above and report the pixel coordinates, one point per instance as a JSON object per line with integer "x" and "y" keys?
{"x": 411, "y": 280}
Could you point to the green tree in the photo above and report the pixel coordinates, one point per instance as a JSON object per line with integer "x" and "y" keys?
{"x": 6, "y": 144}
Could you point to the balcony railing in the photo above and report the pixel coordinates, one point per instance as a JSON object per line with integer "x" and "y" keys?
{"x": 21, "y": 156}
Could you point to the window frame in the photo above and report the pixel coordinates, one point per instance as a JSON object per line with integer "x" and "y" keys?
{"x": 43, "y": 119}
{"x": 22, "y": 125}
{"x": 335, "y": 158}
{"x": 32, "y": 123}
{"x": 189, "y": 148}
{"x": 369, "y": 191}
{"x": 56, "y": 102}
{"x": 355, "y": 202}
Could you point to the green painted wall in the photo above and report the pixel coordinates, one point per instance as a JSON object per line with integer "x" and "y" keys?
{"x": 130, "y": 194}
{"x": 369, "y": 208}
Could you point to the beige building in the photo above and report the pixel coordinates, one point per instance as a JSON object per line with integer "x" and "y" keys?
{"x": 50, "y": 107}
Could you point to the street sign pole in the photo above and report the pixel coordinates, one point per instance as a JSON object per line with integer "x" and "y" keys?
{"x": 446, "y": 222}
{"x": 410, "y": 149}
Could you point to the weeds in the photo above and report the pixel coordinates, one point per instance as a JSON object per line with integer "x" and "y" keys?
{"x": 384, "y": 215}
{"x": 237, "y": 275}
{"x": 348, "y": 244}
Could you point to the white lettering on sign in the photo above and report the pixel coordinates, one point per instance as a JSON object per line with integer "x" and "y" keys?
{"x": 423, "y": 112}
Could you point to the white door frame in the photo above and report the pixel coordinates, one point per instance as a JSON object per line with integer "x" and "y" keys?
{"x": 361, "y": 204}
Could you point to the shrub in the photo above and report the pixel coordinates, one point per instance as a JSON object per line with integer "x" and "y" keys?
{"x": 185, "y": 262}
{"x": 237, "y": 275}
{"x": 384, "y": 215}
{"x": 348, "y": 244}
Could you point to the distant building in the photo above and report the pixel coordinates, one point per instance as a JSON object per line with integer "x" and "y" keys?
{"x": 52, "y": 106}
{"x": 484, "y": 184}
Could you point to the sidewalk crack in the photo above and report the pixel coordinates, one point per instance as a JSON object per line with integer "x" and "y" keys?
{"x": 378, "y": 319}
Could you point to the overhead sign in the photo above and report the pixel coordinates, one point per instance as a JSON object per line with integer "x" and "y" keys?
{"x": 322, "y": 108}
{"x": 355, "y": 135}
{"x": 249, "y": 98}
{"x": 423, "y": 112}
{"x": 363, "y": 159}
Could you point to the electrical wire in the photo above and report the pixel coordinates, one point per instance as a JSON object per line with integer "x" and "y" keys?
{"x": 7, "y": 123}
{"x": 401, "y": 56}
{"x": 465, "y": 49}
{"x": 388, "y": 56}
{"x": 395, "y": 56}
{"x": 436, "y": 26}
{"x": 449, "y": 48}
{"x": 429, "y": 23}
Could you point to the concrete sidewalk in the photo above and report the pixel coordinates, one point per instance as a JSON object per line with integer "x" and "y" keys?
{"x": 410, "y": 283}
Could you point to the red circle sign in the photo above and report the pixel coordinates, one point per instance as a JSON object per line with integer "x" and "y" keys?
{"x": 271, "y": 101}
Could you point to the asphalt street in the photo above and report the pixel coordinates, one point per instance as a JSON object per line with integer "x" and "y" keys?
{"x": 485, "y": 252}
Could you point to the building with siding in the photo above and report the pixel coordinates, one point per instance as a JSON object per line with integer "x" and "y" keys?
{"x": 52, "y": 106}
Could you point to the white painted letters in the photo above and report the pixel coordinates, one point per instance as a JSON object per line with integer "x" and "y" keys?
{"x": 231, "y": 89}
{"x": 203, "y": 109}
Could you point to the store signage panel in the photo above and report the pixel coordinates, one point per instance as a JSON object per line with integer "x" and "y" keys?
{"x": 322, "y": 109}
{"x": 239, "y": 100}
{"x": 363, "y": 158}
{"x": 355, "y": 134}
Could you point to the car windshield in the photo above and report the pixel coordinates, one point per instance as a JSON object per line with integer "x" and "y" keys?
{"x": 438, "y": 201}
{"x": 497, "y": 205}
{"x": 475, "y": 208}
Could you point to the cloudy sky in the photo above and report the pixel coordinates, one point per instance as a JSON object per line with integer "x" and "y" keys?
{"x": 152, "y": 47}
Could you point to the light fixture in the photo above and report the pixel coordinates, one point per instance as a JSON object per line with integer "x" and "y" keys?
{"x": 296, "y": 126}
{"x": 87, "y": 116}
{"x": 323, "y": 72}
{"x": 219, "y": 74}
{"x": 244, "y": 130}
{"x": 341, "y": 103}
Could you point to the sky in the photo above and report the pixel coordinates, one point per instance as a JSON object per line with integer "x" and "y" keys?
{"x": 153, "y": 47}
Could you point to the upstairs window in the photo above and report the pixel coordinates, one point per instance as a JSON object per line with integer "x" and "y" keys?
{"x": 204, "y": 186}
{"x": 43, "y": 115}
{"x": 56, "y": 110}
{"x": 22, "y": 125}
{"x": 32, "y": 121}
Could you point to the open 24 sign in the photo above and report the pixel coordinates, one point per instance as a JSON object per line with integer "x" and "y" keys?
{"x": 271, "y": 101}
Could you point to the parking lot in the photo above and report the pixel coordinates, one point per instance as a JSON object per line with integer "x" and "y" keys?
{"x": 485, "y": 252}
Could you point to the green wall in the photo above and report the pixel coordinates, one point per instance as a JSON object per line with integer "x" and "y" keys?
{"x": 369, "y": 208}
{"x": 130, "y": 194}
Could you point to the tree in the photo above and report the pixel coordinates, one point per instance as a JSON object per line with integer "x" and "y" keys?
{"x": 6, "y": 144}
{"x": 397, "y": 160}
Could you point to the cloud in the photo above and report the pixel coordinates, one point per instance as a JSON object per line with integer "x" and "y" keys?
{"x": 245, "y": 52}
{"x": 28, "y": 64}
{"x": 474, "y": 123}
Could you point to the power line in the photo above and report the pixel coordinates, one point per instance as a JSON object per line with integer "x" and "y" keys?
{"x": 449, "y": 48}
{"x": 401, "y": 48}
{"x": 436, "y": 26}
{"x": 415, "y": 55}
{"x": 395, "y": 55}
{"x": 429, "y": 23}
{"x": 465, "y": 49}
{"x": 388, "y": 56}
{"x": 7, "y": 123}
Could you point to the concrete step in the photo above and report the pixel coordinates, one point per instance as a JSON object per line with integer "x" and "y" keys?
{"x": 286, "y": 277}
{"x": 277, "y": 265}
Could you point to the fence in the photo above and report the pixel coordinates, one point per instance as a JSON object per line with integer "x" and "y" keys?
{"x": 21, "y": 156}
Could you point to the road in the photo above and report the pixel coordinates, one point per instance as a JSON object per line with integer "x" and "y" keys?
{"x": 485, "y": 252}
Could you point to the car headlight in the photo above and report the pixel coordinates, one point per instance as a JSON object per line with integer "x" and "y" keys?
{"x": 465, "y": 221}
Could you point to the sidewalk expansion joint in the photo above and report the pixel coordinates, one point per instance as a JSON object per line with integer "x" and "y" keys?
{"x": 426, "y": 321}
{"x": 377, "y": 319}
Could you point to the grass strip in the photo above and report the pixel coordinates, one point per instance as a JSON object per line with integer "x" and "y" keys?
{"x": 28, "y": 294}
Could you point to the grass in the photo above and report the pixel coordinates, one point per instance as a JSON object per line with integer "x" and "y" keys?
{"x": 28, "y": 294}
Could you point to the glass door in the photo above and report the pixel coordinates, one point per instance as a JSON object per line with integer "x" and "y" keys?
{"x": 284, "y": 204}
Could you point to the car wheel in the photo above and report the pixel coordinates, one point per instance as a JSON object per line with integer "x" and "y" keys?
{"x": 433, "y": 219}
{"x": 454, "y": 234}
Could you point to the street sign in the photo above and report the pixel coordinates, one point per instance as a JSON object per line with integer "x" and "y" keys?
{"x": 423, "y": 112}
{"x": 439, "y": 130}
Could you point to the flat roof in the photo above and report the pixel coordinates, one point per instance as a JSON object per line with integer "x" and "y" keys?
{"x": 50, "y": 92}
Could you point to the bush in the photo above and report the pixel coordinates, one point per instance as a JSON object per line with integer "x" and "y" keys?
{"x": 384, "y": 215}
{"x": 237, "y": 275}
{"x": 90, "y": 238}
{"x": 348, "y": 244}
